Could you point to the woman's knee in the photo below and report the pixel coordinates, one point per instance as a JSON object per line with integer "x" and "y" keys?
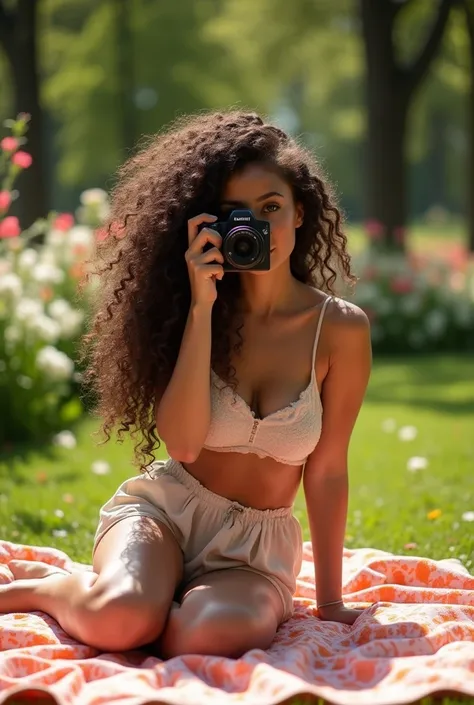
{"x": 118, "y": 620}
{"x": 218, "y": 630}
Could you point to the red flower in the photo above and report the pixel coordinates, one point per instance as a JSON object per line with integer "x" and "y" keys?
{"x": 5, "y": 200}
{"x": 10, "y": 227}
{"x": 22, "y": 159}
{"x": 63, "y": 222}
{"x": 401, "y": 284}
{"x": 375, "y": 229}
{"x": 9, "y": 144}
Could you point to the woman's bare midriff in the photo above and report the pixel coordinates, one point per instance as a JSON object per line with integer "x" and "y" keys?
{"x": 262, "y": 483}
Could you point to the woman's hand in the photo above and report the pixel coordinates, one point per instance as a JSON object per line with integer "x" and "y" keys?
{"x": 339, "y": 613}
{"x": 204, "y": 267}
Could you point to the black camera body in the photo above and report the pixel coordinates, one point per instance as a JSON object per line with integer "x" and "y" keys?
{"x": 245, "y": 242}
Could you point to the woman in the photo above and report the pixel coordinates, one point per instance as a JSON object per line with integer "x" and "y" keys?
{"x": 252, "y": 379}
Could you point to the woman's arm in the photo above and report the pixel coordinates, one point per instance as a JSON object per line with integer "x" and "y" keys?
{"x": 325, "y": 478}
{"x": 183, "y": 413}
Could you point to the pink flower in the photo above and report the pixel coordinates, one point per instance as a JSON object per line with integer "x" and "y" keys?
{"x": 63, "y": 222}
{"x": 9, "y": 144}
{"x": 101, "y": 234}
{"x": 5, "y": 200}
{"x": 401, "y": 284}
{"x": 22, "y": 159}
{"x": 10, "y": 227}
{"x": 375, "y": 229}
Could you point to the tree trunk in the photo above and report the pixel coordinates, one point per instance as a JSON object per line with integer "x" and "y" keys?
{"x": 125, "y": 74}
{"x": 21, "y": 49}
{"x": 469, "y": 10}
{"x": 389, "y": 89}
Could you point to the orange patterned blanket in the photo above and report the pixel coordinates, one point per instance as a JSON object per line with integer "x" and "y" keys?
{"x": 417, "y": 639}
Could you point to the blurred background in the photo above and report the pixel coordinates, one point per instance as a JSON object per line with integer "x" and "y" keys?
{"x": 381, "y": 90}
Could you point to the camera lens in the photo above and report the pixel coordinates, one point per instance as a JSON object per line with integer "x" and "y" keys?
{"x": 243, "y": 248}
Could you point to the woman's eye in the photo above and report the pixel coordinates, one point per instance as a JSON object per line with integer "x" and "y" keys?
{"x": 273, "y": 206}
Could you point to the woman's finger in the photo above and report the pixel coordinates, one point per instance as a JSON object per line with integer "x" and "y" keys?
{"x": 194, "y": 223}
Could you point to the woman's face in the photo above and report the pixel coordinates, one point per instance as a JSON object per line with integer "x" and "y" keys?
{"x": 262, "y": 190}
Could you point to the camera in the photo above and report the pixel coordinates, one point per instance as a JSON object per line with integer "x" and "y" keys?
{"x": 245, "y": 242}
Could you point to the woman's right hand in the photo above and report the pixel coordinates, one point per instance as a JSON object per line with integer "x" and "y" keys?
{"x": 204, "y": 267}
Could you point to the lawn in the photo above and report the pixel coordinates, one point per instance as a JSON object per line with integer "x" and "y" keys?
{"x": 52, "y": 496}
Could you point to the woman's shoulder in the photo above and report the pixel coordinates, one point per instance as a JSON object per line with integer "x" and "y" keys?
{"x": 340, "y": 312}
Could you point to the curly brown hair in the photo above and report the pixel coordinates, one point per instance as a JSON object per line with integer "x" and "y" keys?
{"x": 142, "y": 289}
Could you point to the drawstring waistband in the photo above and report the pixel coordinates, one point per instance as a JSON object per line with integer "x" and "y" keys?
{"x": 174, "y": 468}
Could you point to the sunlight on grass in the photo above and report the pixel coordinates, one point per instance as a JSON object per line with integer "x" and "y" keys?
{"x": 53, "y": 496}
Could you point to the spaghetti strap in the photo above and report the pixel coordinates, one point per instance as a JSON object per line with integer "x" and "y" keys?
{"x": 318, "y": 331}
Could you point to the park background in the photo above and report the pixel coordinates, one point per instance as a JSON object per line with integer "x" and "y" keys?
{"x": 383, "y": 91}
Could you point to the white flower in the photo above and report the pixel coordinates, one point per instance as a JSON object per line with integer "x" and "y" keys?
{"x": 93, "y": 196}
{"x": 59, "y": 533}
{"x": 407, "y": 433}
{"x": 468, "y": 516}
{"x": 11, "y": 285}
{"x": 389, "y": 425}
{"x": 13, "y": 334}
{"x": 59, "y": 513}
{"x": 417, "y": 462}
{"x": 59, "y": 308}
{"x": 70, "y": 320}
{"x": 100, "y": 467}
{"x": 47, "y": 273}
{"x": 65, "y": 439}
{"x": 435, "y": 322}
{"x": 80, "y": 235}
{"x": 28, "y": 309}
{"x": 54, "y": 363}
{"x": 71, "y": 324}
{"x": 27, "y": 259}
{"x": 45, "y": 328}
{"x": 55, "y": 238}
{"x": 48, "y": 256}
{"x": 24, "y": 381}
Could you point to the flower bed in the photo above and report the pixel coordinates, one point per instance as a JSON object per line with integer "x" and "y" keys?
{"x": 41, "y": 313}
{"x": 417, "y": 303}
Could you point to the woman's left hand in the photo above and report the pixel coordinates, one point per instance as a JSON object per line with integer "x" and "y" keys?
{"x": 339, "y": 613}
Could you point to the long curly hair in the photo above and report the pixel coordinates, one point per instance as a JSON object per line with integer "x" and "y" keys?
{"x": 141, "y": 284}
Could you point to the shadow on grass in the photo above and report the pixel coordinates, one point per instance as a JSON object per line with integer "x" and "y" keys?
{"x": 443, "y": 384}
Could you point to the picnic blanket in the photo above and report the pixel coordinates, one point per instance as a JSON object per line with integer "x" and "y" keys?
{"x": 415, "y": 638}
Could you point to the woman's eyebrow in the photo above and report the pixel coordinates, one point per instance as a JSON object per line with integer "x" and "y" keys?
{"x": 260, "y": 198}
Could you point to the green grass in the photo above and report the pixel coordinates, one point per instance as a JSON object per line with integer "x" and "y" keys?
{"x": 54, "y": 489}
{"x": 388, "y": 504}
